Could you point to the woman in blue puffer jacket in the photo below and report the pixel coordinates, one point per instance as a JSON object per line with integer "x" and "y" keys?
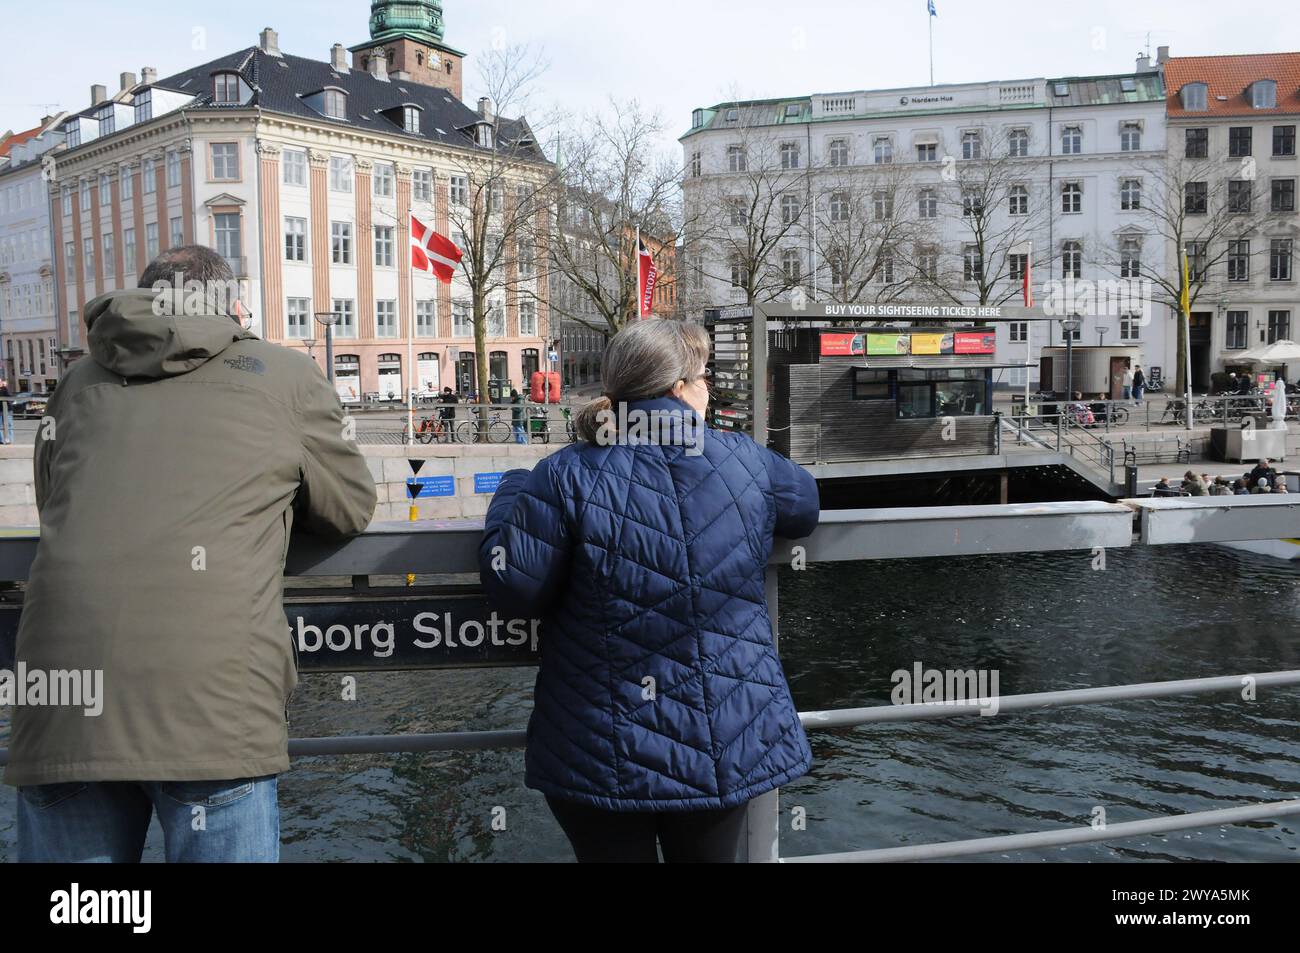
{"x": 661, "y": 707}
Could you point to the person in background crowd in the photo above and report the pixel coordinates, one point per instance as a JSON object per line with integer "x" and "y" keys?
{"x": 6, "y": 414}
{"x": 1193, "y": 485}
{"x": 185, "y": 450}
{"x": 448, "y": 399}
{"x": 1128, "y": 382}
{"x": 1162, "y": 488}
{"x": 517, "y": 416}
{"x": 1244, "y": 384}
{"x": 1261, "y": 486}
{"x": 1239, "y": 488}
{"x": 1139, "y": 383}
{"x": 1263, "y": 471}
{"x": 1280, "y": 488}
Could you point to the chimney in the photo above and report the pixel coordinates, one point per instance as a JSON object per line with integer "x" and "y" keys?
{"x": 379, "y": 65}
{"x": 148, "y": 75}
{"x": 127, "y": 80}
{"x": 98, "y": 94}
{"x": 339, "y": 58}
{"x": 269, "y": 41}
{"x": 1143, "y": 64}
{"x": 485, "y": 108}
{"x": 1162, "y": 55}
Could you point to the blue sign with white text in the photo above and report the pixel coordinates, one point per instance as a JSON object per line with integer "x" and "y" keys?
{"x": 431, "y": 486}
{"x": 487, "y": 482}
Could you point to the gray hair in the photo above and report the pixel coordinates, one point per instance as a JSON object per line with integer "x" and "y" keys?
{"x": 198, "y": 265}
{"x": 646, "y": 359}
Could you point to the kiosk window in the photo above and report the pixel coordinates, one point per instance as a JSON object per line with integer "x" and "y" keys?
{"x": 942, "y": 392}
{"x": 870, "y": 385}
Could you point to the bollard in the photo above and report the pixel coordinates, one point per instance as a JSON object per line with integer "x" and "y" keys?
{"x": 1130, "y": 480}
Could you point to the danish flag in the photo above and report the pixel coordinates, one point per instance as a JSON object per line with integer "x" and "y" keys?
{"x": 433, "y": 252}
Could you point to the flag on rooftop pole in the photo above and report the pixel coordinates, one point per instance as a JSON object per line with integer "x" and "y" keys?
{"x": 929, "y": 5}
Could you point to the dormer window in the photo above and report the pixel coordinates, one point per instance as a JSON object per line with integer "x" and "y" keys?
{"x": 697, "y": 119}
{"x": 107, "y": 121}
{"x": 1263, "y": 94}
{"x": 1061, "y": 89}
{"x": 1193, "y": 96}
{"x": 411, "y": 119}
{"x": 335, "y": 104}
{"x": 483, "y": 135}
{"x": 144, "y": 106}
{"x": 72, "y": 133}
{"x": 225, "y": 88}
{"x": 733, "y": 115}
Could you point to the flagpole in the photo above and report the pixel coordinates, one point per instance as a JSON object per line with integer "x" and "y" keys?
{"x": 410, "y": 347}
{"x": 930, "y": 19}
{"x": 636, "y": 263}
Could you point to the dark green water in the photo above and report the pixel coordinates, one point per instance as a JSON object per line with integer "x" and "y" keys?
{"x": 1044, "y": 622}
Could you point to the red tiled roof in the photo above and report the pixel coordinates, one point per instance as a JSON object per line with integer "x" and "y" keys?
{"x": 1228, "y": 76}
{"x": 18, "y": 138}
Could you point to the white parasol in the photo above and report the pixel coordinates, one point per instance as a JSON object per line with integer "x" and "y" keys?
{"x": 1279, "y": 352}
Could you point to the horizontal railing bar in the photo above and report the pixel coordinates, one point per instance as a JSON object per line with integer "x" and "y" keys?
{"x": 811, "y": 720}
{"x": 451, "y": 546}
{"x": 879, "y": 714}
{"x": 1061, "y": 838}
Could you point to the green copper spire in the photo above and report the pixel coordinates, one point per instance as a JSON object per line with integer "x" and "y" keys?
{"x": 418, "y": 19}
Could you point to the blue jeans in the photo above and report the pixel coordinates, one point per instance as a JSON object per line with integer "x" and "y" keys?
{"x": 1137, "y": 394}
{"x": 106, "y": 821}
{"x": 520, "y": 437}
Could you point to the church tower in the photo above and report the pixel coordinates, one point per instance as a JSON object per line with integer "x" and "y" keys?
{"x": 408, "y": 35}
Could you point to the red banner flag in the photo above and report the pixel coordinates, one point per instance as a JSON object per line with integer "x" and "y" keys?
{"x": 649, "y": 274}
{"x": 1028, "y": 284}
{"x": 431, "y": 252}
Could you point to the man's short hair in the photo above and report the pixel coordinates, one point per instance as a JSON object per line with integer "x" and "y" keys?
{"x": 194, "y": 262}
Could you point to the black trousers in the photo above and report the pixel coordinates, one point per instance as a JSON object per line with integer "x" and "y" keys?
{"x": 614, "y": 837}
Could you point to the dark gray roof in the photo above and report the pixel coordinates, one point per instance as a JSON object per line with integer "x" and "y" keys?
{"x": 280, "y": 82}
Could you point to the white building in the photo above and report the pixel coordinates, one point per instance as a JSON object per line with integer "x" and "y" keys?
{"x": 1067, "y": 154}
{"x": 27, "y": 325}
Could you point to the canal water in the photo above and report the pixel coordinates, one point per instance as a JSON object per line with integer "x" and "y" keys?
{"x": 1042, "y": 621}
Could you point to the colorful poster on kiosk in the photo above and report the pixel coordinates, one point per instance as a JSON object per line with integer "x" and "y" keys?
{"x": 891, "y": 343}
{"x": 840, "y": 345}
{"x": 932, "y": 343}
{"x": 976, "y": 342}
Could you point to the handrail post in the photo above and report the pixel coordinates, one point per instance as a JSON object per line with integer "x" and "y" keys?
{"x": 763, "y": 814}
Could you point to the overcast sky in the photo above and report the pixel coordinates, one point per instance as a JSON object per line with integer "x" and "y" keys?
{"x": 673, "y": 55}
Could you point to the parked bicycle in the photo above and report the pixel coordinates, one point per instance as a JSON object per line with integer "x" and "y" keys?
{"x": 495, "y": 429}
{"x": 431, "y": 429}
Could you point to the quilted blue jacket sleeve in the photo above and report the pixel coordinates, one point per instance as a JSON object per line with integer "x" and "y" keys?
{"x": 798, "y": 505}
{"x": 524, "y": 555}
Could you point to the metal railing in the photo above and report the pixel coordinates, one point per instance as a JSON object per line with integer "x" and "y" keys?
{"x": 452, "y": 549}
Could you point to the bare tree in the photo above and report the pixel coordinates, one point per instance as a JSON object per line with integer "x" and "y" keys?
{"x": 614, "y": 183}
{"x": 508, "y": 186}
{"x": 992, "y": 198}
{"x": 1190, "y": 207}
{"x": 742, "y": 217}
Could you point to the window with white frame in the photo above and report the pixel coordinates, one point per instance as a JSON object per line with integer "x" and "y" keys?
{"x": 792, "y": 266}
{"x": 425, "y": 319}
{"x": 882, "y": 204}
{"x": 1018, "y": 200}
{"x": 1130, "y": 258}
{"x": 86, "y": 188}
{"x": 294, "y": 162}
{"x": 346, "y": 327}
{"x": 737, "y": 161}
{"x": 970, "y": 144}
{"x": 789, "y": 155}
{"x": 225, "y": 161}
{"x": 1129, "y": 327}
{"x": 1235, "y": 332}
{"x": 225, "y": 88}
{"x": 972, "y": 203}
{"x": 972, "y": 263}
{"x": 1279, "y": 259}
{"x": 88, "y": 254}
{"x": 1071, "y": 260}
{"x": 841, "y": 207}
{"x": 128, "y": 248}
{"x": 173, "y": 163}
{"x": 422, "y": 185}
{"x": 462, "y": 320}
{"x": 1018, "y": 143}
{"x": 1130, "y": 137}
{"x": 1071, "y": 140}
{"x": 1130, "y": 195}
{"x": 739, "y": 211}
{"x": 496, "y": 320}
{"x": 383, "y": 180}
{"x": 1067, "y": 335}
{"x": 335, "y": 104}
{"x": 739, "y": 272}
{"x": 1016, "y": 265}
{"x": 341, "y": 174}
{"x": 1071, "y": 197}
{"x": 927, "y": 152}
{"x": 697, "y": 165}
{"x": 341, "y": 243}
{"x": 528, "y": 319}
{"x": 927, "y": 204}
{"x": 525, "y": 256}
{"x": 105, "y": 191}
{"x": 385, "y": 319}
{"x": 176, "y": 231}
{"x": 411, "y": 119}
{"x": 148, "y": 172}
{"x": 458, "y": 190}
{"x": 110, "y": 261}
{"x": 384, "y": 246}
{"x": 1239, "y": 260}
{"x": 838, "y": 152}
{"x": 789, "y": 209}
{"x": 151, "y": 241}
{"x": 297, "y": 317}
{"x": 1018, "y": 331}
{"x": 882, "y": 150}
{"x": 127, "y": 183}
{"x": 226, "y": 227}
{"x": 67, "y": 200}
{"x": 295, "y": 239}
{"x": 144, "y": 106}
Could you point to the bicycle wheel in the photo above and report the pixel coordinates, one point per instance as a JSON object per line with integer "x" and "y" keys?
{"x": 499, "y": 432}
{"x": 425, "y": 433}
{"x": 1119, "y": 416}
{"x": 466, "y": 431}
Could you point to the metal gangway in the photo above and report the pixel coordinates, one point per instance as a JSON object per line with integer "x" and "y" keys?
{"x": 444, "y": 555}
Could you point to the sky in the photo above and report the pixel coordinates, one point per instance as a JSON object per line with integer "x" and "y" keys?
{"x": 670, "y": 55}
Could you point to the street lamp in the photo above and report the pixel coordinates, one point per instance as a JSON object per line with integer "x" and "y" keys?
{"x": 329, "y": 319}
{"x": 1069, "y": 326}
{"x": 1101, "y": 335}
{"x": 309, "y": 344}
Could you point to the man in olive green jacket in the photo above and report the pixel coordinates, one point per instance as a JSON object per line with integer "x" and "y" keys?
{"x": 169, "y": 469}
